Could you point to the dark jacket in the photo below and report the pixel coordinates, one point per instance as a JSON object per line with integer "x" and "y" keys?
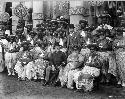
{"x": 57, "y": 58}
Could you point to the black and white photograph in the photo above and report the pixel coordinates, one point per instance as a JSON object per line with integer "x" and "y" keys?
{"x": 62, "y": 49}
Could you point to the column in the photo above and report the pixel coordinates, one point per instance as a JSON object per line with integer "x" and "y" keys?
{"x": 2, "y": 7}
{"x": 53, "y": 9}
{"x": 14, "y": 18}
{"x": 29, "y": 5}
{"x": 78, "y": 10}
{"x": 37, "y": 12}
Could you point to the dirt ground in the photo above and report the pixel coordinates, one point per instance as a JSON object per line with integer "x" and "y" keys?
{"x": 11, "y": 88}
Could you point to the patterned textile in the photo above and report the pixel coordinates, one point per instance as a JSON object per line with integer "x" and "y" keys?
{"x": 103, "y": 55}
{"x": 120, "y": 59}
{"x": 81, "y": 58}
{"x": 73, "y": 39}
{"x": 62, "y": 8}
{"x": 29, "y": 70}
{"x": 72, "y": 63}
{"x": 112, "y": 65}
{"x": 19, "y": 69}
{"x": 63, "y": 50}
{"x": 110, "y": 58}
{"x": 104, "y": 58}
{"x": 50, "y": 49}
{"x": 70, "y": 77}
{"x": 37, "y": 51}
{"x": 73, "y": 57}
{"x": 39, "y": 67}
{"x": 10, "y": 59}
{"x": 24, "y": 65}
{"x": 85, "y": 51}
{"x": 84, "y": 79}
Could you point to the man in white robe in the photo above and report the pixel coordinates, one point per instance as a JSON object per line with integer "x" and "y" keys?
{"x": 3, "y": 42}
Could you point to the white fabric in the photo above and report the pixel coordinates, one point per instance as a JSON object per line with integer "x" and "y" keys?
{"x": 70, "y": 78}
{"x": 29, "y": 70}
{"x": 19, "y": 68}
{"x": 50, "y": 49}
{"x": 106, "y": 26}
{"x": 42, "y": 55}
{"x": 32, "y": 42}
{"x": 28, "y": 37}
{"x": 85, "y": 81}
{"x": 3, "y": 41}
{"x": 123, "y": 34}
{"x": 108, "y": 38}
{"x": 11, "y": 47}
{"x": 38, "y": 49}
{"x": 63, "y": 50}
{"x": 85, "y": 51}
{"x": 91, "y": 70}
{"x": 90, "y": 59}
{"x": 7, "y": 32}
{"x": 0, "y": 49}
{"x": 83, "y": 34}
{"x": 61, "y": 42}
{"x": 19, "y": 42}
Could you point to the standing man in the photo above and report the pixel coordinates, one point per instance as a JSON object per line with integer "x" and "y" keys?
{"x": 83, "y": 31}
{"x": 72, "y": 39}
{"x": 10, "y": 55}
{"x": 3, "y": 42}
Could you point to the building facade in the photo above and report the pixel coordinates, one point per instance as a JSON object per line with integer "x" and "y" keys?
{"x": 38, "y": 10}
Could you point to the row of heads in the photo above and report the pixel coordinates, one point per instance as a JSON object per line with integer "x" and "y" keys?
{"x": 27, "y": 44}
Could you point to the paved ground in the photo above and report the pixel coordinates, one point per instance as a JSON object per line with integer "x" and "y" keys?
{"x": 11, "y": 88}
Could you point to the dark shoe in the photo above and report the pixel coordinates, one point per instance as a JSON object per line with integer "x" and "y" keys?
{"x": 19, "y": 79}
{"x": 79, "y": 90}
{"x": 35, "y": 80}
{"x": 107, "y": 84}
{"x": 63, "y": 86}
{"x": 118, "y": 86}
{"x": 45, "y": 83}
{"x": 57, "y": 84}
{"x": 95, "y": 88}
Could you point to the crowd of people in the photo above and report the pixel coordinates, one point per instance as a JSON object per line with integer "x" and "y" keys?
{"x": 60, "y": 54}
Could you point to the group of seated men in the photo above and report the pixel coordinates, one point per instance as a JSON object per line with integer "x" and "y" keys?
{"x": 81, "y": 67}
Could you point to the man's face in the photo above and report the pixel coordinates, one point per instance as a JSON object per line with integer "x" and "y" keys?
{"x": 92, "y": 50}
{"x": 82, "y": 25}
{"x": 11, "y": 40}
{"x": 57, "y": 48}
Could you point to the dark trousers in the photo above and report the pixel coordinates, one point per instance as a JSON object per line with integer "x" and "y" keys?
{"x": 51, "y": 76}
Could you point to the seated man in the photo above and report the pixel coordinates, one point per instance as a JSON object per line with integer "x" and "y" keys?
{"x": 40, "y": 63}
{"x": 56, "y": 59}
{"x": 24, "y": 65}
{"x": 72, "y": 62}
{"x": 84, "y": 78}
